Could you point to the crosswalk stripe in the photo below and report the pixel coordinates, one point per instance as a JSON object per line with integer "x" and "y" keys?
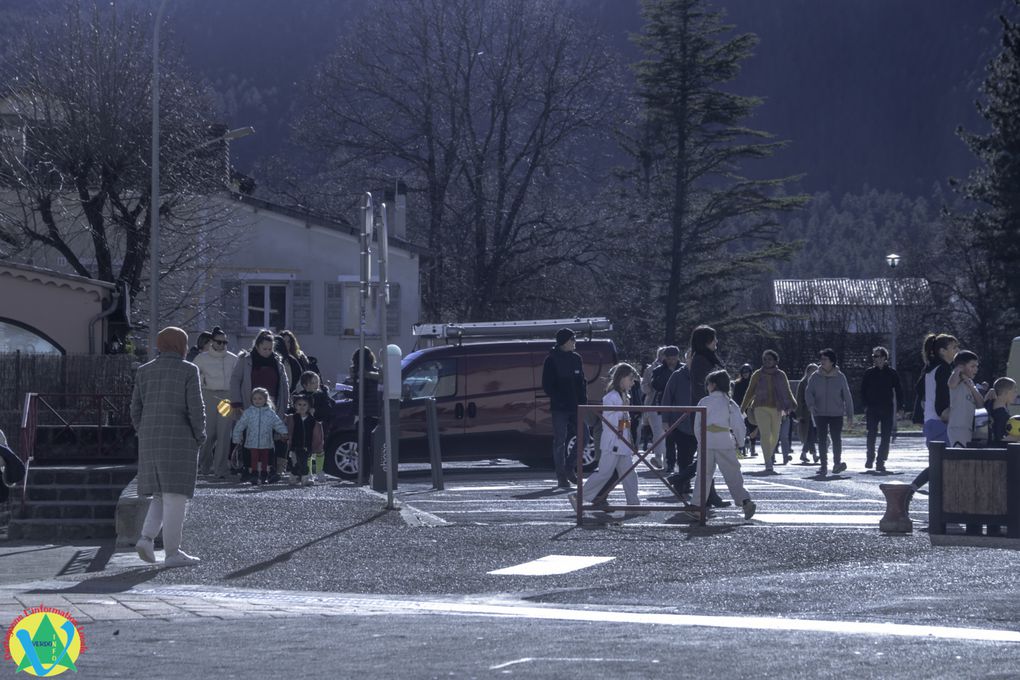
{"x": 815, "y": 518}
{"x": 552, "y": 564}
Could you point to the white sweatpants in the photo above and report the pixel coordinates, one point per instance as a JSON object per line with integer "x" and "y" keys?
{"x": 655, "y": 422}
{"x": 607, "y": 465}
{"x": 726, "y": 460}
{"x": 166, "y": 511}
{"x": 216, "y": 449}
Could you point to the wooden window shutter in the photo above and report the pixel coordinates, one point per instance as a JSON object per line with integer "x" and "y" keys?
{"x": 232, "y": 306}
{"x": 334, "y": 309}
{"x": 301, "y": 316}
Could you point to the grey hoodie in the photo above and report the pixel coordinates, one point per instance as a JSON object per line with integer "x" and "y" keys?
{"x": 829, "y": 394}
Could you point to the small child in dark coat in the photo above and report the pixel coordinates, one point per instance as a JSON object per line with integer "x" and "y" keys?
{"x": 305, "y": 439}
{"x": 997, "y": 401}
{"x": 322, "y": 410}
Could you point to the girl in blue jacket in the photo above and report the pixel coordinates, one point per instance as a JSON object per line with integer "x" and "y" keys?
{"x": 257, "y": 425}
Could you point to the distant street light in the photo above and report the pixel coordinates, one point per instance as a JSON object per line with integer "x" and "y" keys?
{"x": 893, "y": 260}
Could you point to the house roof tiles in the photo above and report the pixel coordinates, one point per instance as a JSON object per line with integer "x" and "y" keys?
{"x": 881, "y": 292}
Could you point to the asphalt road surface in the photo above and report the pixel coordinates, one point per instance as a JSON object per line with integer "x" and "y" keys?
{"x": 492, "y": 577}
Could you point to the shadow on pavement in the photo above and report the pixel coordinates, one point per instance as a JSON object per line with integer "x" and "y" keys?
{"x": 32, "y": 550}
{"x": 117, "y": 583}
{"x": 544, "y": 493}
{"x": 284, "y": 556}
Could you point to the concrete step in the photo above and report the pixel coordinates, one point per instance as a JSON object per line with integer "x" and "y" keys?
{"x": 60, "y": 529}
{"x": 74, "y": 492}
{"x": 39, "y": 475}
{"x": 73, "y": 510}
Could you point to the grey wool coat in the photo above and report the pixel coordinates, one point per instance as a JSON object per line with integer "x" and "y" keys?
{"x": 240, "y": 384}
{"x": 169, "y": 418}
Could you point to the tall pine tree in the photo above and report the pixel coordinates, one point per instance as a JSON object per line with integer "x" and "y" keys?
{"x": 983, "y": 274}
{"x": 711, "y": 229}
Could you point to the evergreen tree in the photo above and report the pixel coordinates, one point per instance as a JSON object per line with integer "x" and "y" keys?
{"x": 711, "y": 229}
{"x": 988, "y": 238}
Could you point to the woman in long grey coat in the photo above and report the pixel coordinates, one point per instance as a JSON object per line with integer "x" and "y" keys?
{"x": 169, "y": 418}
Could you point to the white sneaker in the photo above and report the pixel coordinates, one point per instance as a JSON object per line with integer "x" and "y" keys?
{"x": 656, "y": 461}
{"x": 145, "y": 549}
{"x": 321, "y": 477}
{"x": 308, "y": 481}
{"x": 181, "y": 559}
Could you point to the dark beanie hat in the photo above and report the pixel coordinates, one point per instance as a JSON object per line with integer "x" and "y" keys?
{"x": 563, "y": 335}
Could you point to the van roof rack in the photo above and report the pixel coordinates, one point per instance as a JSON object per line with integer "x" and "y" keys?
{"x": 493, "y": 329}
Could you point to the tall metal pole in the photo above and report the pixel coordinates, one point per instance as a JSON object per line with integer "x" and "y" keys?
{"x": 894, "y": 332}
{"x": 366, "y": 277}
{"x": 893, "y": 260}
{"x": 383, "y": 300}
{"x": 154, "y": 254}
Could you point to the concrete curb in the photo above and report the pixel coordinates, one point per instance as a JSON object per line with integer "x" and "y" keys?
{"x": 130, "y": 514}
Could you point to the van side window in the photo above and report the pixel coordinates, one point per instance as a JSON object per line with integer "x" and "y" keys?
{"x": 435, "y": 378}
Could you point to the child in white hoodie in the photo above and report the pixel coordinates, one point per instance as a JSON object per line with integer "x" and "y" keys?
{"x": 725, "y": 428}
{"x": 616, "y": 454}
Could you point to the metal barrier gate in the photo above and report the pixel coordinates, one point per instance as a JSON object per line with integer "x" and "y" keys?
{"x": 685, "y": 412}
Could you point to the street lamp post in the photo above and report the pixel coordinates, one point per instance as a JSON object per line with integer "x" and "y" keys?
{"x": 154, "y": 254}
{"x": 893, "y": 260}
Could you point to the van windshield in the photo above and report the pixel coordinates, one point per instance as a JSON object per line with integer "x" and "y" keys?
{"x": 429, "y": 378}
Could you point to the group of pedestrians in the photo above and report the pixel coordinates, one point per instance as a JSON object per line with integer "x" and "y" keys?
{"x": 698, "y": 380}
{"x": 189, "y": 414}
{"x": 256, "y": 384}
{"x": 764, "y": 407}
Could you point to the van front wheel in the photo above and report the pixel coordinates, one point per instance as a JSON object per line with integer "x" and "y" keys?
{"x": 342, "y": 455}
{"x": 589, "y": 456}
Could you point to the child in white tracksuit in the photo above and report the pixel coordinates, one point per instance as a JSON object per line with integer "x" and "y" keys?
{"x": 615, "y": 451}
{"x": 725, "y": 428}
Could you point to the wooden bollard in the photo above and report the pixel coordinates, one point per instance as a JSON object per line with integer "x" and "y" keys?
{"x": 897, "y": 504}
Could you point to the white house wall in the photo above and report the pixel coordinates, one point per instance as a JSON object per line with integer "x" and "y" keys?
{"x": 311, "y": 260}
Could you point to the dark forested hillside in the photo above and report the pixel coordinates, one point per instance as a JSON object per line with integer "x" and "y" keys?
{"x": 869, "y": 91}
{"x": 850, "y": 235}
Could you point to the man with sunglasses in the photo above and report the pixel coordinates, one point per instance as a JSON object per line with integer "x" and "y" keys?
{"x": 215, "y": 366}
{"x": 883, "y": 397}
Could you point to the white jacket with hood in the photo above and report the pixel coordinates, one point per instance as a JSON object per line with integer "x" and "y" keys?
{"x": 612, "y": 443}
{"x": 723, "y": 420}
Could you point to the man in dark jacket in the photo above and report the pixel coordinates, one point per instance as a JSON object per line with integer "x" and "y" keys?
{"x": 684, "y": 443}
{"x": 563, "y": 381}
{"x": 882, "y": 396}
{"x": 660, "y": 376}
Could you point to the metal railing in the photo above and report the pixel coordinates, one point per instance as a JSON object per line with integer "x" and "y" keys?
{"x": 642, "y": 455}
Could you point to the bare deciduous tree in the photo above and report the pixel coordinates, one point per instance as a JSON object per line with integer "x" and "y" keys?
{"x": 490, "y": 111}
{"x": 75, "y": 155}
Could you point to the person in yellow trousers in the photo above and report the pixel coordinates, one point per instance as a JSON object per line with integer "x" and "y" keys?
{"x": 770, "y": 396}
